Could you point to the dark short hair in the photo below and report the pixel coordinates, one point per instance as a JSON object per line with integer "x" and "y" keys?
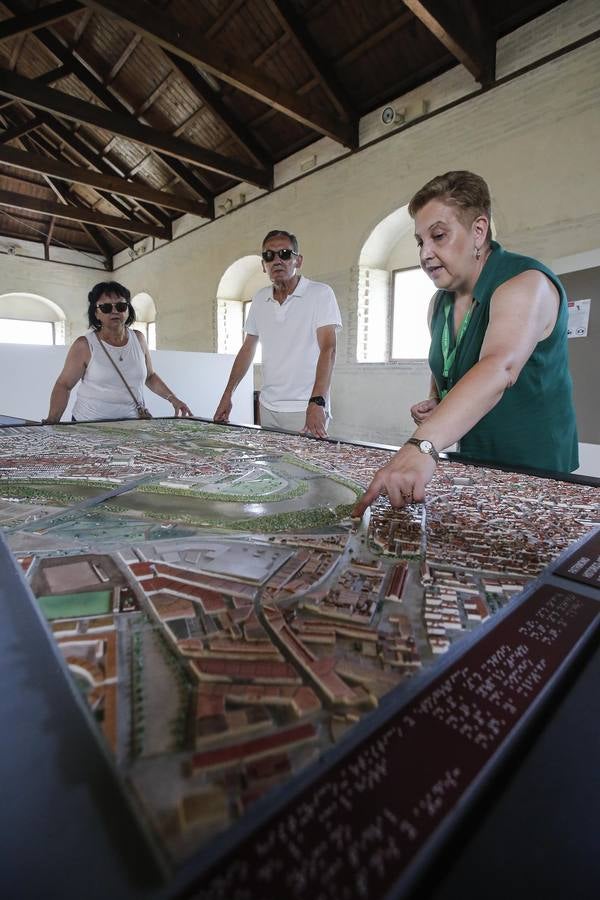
{"x": 108, "y": 287}
{"x": 465, "y": 190}
{"x": 277, "y": 232}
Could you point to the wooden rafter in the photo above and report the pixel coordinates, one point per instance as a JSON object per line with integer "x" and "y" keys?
{"x": 84, "y": 72}
{"x": 376, "y": 37}
{"x": 48, "y": 241}
{"x": 398, "y": 22}
{"x": 45, "y": 98}
{"x": 135, "y": 40}
{"x": 211, "y": 99}
{"x": 35, "y": 141}
{"x": 43, "y": 165}
{"x": 153, "y": 97}
{"x": 74, "y": 143}
{"x": 54, "y": 75}
{"x": 100, "y": 242}
{"x": 196, "y": 184}
{"x": 16, "y": 131}
{"x": 162, "y": 28}
{"x": 224, "y": 18}
{"x": 82, "y": 25}
{"x": 81, "y": 214}
{"x": 460, "y": 34}
{"x": 14, "y": 56}
{"x": 30, "y": 21}
{"x": 95, "y": 234}
{"x": 190, "y": 179}
{"x": 291, "y": 23}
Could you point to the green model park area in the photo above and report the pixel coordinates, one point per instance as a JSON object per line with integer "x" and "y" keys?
{"x": 75, "y": 606}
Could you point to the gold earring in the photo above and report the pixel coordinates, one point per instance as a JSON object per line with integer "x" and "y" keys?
{"x": 477, "y": 253}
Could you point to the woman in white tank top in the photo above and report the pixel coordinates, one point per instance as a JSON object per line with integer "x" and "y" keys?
{"x": 102, "y": 393}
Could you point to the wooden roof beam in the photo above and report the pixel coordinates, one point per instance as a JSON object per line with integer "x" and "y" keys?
{"x": 81, "y": 214}
{"x": 54, "y": 75}
{"x": 81, "y": 26}
{"x": 48, "y": 241}
{"x": 85, "y": 74}
{"x": 105, "y": 249}
{"x": 220, "y": 110}
{"x": 44, "y": 165}
{"x": 103, "y": 245}
{"x": 461, "y": 32}
{"x": 74, "y": 143}
{"x": 135, "y": 40}
{"x": 153, "y": 97}
{"x": 17, "y": 131}
{"x": 197, "y": 183}
{"x": 291, "y": 23}
{"x": 50, "y": 100}
{"x": 163, "y": 29}
{"x": 376, "y": 37}
{"x": 191, "y": 180}
{"x": 37, "y": 142}
{"x": 25, "y": 22}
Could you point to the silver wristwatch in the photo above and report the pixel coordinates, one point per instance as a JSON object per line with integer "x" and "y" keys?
{"x": 425, "y": 447}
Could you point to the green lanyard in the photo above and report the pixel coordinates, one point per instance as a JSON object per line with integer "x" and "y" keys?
{"x": 447, "y": 354}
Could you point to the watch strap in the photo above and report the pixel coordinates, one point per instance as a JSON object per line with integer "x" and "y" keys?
{"x": 318, "y": 399}
{"x": 431, "y": 451}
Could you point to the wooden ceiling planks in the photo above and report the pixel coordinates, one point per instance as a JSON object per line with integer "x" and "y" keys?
{"x": 339, "y": 58}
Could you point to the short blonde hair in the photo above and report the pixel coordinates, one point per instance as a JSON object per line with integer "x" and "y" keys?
{"x": 465, "y": 190}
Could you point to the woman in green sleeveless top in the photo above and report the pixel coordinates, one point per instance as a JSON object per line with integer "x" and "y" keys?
{"x": 500, "y": 383}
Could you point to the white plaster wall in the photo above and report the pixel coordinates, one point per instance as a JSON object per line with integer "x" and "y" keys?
{"x": 28, "y": 373}
{"x": 535, "y": 139}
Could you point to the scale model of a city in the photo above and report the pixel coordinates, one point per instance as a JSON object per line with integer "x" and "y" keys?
{"x": 225, "y": 618}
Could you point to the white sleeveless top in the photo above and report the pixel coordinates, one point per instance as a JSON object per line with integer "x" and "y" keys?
{"x": 101, "y": 394}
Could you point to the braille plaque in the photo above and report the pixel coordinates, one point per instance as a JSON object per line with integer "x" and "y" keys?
{"x": 583, "y": 564}
{"x": 356, "y": 828}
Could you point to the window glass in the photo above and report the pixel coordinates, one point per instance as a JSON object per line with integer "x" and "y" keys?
{"x": 412, "y": 291}
{"x": 148, "y": 329}
{"x": 20, "y": 331}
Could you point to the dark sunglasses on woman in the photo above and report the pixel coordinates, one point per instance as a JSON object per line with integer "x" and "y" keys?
{"x": 285, "y": 254}
{"x": 119, "y": 306}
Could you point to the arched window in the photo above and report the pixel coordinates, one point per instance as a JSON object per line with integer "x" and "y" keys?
{"x": 235, "y": 291}
{"x": 393, "y": 294}
{"x": 30, "y": 319}
{"x": 145, "y": 317}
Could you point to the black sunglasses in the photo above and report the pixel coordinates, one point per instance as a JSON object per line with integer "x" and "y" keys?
{"x": 285, "y": 254}
{"x": 120, "y": 306}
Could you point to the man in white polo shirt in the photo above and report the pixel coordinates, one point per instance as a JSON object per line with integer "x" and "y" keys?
{"x": 296, "y": 321}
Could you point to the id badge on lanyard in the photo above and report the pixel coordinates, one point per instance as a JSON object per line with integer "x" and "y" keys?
{"x": 449, "y": 355}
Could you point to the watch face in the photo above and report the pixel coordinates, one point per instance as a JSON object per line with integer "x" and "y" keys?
{"x": 426, "y": 446}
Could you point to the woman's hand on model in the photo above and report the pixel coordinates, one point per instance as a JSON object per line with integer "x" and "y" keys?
{"x": 403, "y": 480}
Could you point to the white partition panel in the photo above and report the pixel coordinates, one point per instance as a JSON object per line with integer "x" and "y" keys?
{"x": 28, "y": 373}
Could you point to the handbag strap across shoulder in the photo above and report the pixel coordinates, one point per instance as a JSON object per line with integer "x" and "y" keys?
{"x": 119, "y": 373}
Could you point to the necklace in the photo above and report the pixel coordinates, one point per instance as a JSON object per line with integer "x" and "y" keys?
{"x": 120, "y": 350}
